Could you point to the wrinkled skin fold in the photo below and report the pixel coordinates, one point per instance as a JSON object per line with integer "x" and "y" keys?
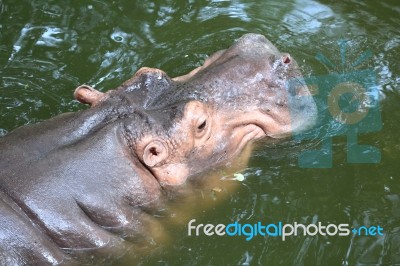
{"x": 92, "y": 179}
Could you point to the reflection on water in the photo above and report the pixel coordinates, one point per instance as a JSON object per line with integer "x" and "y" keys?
{"x": 231, "y": 9}
{"x": 308, "y": 16}
{"x": 47, "y": 48}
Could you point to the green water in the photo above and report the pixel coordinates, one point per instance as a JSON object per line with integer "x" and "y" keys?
{"x": 47, "y": 48}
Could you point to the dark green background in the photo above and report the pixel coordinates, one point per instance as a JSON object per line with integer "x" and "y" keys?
{"x": 47, "y": 48}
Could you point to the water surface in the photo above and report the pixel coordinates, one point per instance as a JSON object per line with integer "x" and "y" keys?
{"x": 47, "y": 48}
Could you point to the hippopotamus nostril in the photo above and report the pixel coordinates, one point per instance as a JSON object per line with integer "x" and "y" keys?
{"x": 286, "y": 59}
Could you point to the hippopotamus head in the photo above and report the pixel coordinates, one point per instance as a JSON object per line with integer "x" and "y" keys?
{"x": 237, "y": 96}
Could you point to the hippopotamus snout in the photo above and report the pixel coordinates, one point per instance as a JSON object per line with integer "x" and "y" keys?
{"x": 285, "y": 90}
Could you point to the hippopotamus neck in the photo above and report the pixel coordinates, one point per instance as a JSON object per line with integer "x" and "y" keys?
{"x": 94, "y": 195}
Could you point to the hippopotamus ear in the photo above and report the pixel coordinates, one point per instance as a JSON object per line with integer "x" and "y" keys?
{"x": 88, "y": 95}
{"x": 154, "y": 153}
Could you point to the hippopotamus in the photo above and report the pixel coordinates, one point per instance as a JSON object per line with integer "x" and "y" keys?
{"x": 88, "y": 180}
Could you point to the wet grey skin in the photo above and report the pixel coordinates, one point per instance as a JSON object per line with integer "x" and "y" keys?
{"x": 90, "y": 180}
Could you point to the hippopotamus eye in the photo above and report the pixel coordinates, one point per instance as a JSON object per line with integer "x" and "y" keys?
{"x": 202, "y": 125}
{"x": 201, "y": 128}
{"x": 196, "y": 113}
